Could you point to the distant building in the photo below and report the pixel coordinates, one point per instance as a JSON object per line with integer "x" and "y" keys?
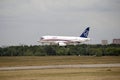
{"x": 104, "y": 42}
{"x": 116, "y": 41}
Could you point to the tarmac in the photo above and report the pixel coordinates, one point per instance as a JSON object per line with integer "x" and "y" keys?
{"x": 60, "y": 66}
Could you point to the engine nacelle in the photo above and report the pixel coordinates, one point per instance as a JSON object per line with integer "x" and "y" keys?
{"x": 61, "y": 44}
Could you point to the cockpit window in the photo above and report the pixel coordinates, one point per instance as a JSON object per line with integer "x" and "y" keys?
{"x": 42, "y": 38}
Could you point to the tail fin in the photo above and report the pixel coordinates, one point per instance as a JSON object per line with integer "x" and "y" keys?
{"x": 85, "y": 33}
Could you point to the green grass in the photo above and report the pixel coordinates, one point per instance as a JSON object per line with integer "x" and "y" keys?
{"x": 56, "y": 60}
{"x": 63, "y": 74}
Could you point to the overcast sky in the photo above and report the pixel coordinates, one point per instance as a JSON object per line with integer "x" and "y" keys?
{"x": 25, "y": 21}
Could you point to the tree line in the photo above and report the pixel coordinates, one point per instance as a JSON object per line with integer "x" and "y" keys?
{"x": 55, "y": 50}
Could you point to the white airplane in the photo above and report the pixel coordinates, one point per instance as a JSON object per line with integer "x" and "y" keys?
{"x": 66, "y": 40}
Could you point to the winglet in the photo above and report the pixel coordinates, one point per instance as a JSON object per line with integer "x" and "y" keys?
{"x": 85, "y": 33}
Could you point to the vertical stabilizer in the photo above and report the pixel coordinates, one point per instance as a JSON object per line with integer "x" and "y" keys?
{"x": 85, "y": 33}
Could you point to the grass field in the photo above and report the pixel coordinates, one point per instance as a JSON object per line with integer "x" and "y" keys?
{"x": 56, "y": 60}
{"x": 60, "y": 74}
{"x": 63, "y": 74}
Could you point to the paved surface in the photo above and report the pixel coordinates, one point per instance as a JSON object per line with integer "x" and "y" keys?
{"x": 60, "y": 66}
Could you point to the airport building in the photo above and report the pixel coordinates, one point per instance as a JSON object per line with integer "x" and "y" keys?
{"x": 104, "y": 42}
{"x": 116, "y": 41}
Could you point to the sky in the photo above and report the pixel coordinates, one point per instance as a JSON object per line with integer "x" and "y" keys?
{"x": 23, "y": 22}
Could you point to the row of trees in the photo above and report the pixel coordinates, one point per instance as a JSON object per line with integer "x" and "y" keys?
{"x": 48, "y": 50}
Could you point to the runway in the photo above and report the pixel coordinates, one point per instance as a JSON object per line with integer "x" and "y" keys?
{"x": 61, "y": 66}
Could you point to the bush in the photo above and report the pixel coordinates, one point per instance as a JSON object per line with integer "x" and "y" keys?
{"x": 97, "y": 50}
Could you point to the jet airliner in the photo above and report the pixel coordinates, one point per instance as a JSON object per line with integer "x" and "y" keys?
{"x": 66, "y": 40}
